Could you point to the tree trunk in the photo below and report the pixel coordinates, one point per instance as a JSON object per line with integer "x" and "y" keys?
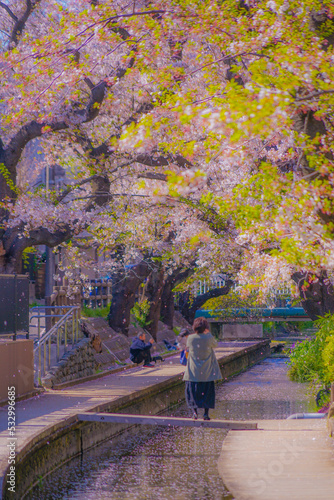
{"x": 184, "y": 304}
{"x": 167, "y": 303}
{"x": 125, "y": 284}
{"x": 167, "y": 300}
{"x": 316, "y": 293}
{"x": 188, "y": 309}
{"x": 153, "y": 293}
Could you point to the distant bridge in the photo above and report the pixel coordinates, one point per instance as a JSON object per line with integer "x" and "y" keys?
{"x": 247, "y": 314}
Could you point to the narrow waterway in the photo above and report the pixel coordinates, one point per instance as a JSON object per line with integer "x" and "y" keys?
{"x": 177, "y": 463}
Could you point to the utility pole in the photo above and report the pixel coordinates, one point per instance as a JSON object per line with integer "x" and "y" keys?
{"x": 49, "y": 268}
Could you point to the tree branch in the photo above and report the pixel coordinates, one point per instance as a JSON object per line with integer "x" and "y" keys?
{"x": 188, "y": 310}
{"x": 134, "y": 14}
{"x": 43, "y": 236}
{"x": 315, "y": 94}
{"x": 213, "y": 219}
{"x": 21, "y": 22}
{"x": 86, "y": 114}
{"x": 153, "y": 175}
{"x": 151, "y": 160}
{"x": 7, "y": 9}
{"x": 213, "y": 293}
{"x": 14, "y": 243}
{"x": 69, "y": 189}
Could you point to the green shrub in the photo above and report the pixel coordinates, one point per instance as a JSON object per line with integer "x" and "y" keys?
{"x": 305, "y": 325}
{"x": 313, "y": 359}
{"x": 269, "y": 326}
{"x": 306, "y": 361}
{"x": 328, "y": 358}
{"x": 140, "y": 312}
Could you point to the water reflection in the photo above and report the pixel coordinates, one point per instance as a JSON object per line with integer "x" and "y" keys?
{"x": 176, "y": 463}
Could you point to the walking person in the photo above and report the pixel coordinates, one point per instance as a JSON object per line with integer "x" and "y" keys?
{"x": 202, "y": 369}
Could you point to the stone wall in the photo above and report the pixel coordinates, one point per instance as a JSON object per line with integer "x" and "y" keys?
{"x": 75, "y": 364}
{"x": 241, "y": 331}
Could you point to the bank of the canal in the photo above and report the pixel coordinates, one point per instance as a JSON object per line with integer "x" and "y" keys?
{"x": 187, "y": 463}
{"x": 48, "y": 433}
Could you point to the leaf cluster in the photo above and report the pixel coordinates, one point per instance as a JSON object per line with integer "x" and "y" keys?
{"x": 313, "y": 359}
{"x": 140, "y": 312}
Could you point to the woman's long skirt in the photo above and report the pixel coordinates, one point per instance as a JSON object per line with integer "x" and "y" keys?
{"x": 200, "y": 394}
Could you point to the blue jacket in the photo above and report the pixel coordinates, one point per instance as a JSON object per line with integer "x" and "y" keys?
{"x": 138, "y": 346}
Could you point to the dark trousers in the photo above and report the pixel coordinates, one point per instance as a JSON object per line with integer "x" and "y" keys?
{"x": 143, "y": 356}
{"x": 200, "y": 394}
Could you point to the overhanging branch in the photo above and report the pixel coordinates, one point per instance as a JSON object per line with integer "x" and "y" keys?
{"x": 7, "y": 9}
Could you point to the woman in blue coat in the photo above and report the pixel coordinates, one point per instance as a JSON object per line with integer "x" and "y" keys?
{"x": 202, "y": 369}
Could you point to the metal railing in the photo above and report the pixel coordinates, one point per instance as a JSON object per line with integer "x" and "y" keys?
{"x": 41, "y": 315}
{"x": 65, "y": 330}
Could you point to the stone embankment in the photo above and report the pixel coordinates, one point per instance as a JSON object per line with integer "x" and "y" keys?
{"x": 75, "y": 364}
{"x": 102, "y": 350}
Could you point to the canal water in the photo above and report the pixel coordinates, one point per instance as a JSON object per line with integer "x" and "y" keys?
{"x": 177, "y": 463}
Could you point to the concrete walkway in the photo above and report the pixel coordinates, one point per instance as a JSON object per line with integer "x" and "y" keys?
{"x": 284, "y": 459}
{"x": 41, "y": 414}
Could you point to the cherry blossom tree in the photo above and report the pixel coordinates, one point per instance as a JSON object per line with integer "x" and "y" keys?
{"x": 211, "y": 121}
{"x": 264, "y": 116}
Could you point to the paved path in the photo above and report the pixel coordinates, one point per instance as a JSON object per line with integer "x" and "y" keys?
{"x": 284, "y": 459}
{"x": 41, "y": 413}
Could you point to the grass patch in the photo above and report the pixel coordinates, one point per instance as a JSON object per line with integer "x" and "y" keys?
{"x": 99, "y": 312}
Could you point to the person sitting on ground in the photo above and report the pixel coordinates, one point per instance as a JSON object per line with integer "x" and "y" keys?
{"x": 140, "y": 351}
{"x": 169, "y": 346}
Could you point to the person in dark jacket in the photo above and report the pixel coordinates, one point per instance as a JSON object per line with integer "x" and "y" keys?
{"x": 140, "y": 351}
{"x": 202, "y": 369}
